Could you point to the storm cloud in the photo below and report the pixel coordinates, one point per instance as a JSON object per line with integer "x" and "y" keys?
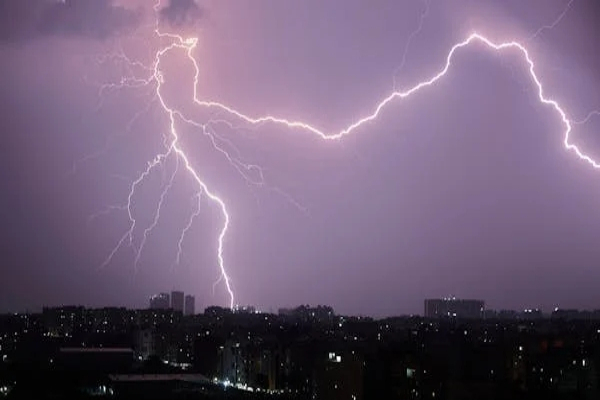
{"x": 182, "y": 12}
{"x": 94, "y": 19}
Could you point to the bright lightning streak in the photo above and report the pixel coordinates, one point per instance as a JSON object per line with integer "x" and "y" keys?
{"x": 223, "y": 208}
{"x": 171, "y": 139}
{"x": 474, "y": 37}
{"x": 189, "y": 44}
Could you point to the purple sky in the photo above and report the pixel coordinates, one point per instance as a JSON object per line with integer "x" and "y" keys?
{"x": 462, "y": 189}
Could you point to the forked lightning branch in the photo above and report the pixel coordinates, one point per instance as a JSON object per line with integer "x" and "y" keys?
{"x": 177, "y": 44}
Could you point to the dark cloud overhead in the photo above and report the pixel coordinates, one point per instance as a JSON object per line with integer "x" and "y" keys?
{"x": 182, "y": 12}
{"x": 95, "y": 19}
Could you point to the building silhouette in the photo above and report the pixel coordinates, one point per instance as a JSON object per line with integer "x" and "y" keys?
{"x": 177, "y": 301}
{"x": 160, "y": 301}
{"x": 190, "y": 305}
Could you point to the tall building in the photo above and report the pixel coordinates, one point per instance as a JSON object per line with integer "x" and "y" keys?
{"x": 160, "y": 301}
{"x": 190, "y": 305}
{"x": 453, "y": 307}
{"x": 177, "y": 301}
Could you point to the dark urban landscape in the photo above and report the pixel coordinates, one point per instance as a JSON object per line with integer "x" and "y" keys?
{"x": 459, "y": 350}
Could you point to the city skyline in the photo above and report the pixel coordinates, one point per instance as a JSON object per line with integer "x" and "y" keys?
{"x": 300, "y": 353}
{"x": 470, "y": 309}
{"x": 466, "y": 187}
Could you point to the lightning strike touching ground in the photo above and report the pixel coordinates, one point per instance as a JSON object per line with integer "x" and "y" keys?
{"x": 190, "y": 44}
{"x": 173, "y": 146}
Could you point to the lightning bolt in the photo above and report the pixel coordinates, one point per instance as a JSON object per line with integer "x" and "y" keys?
{"x": 187, "y": 227}
{"x": 156, "y": 214}
{"x": 587, "y": 118}
{"x": 472, "y": 38}
{"x": 412, "y": 35}
{"x": 172, "y": 148}
{"x": 250, "y": 171}
{"x": 107, "y": 210}
{"x": 132, "y": 221}
{"x": 554, "y": 23}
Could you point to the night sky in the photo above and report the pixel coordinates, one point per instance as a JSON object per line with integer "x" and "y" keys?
{"x": 464, "y": 188}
